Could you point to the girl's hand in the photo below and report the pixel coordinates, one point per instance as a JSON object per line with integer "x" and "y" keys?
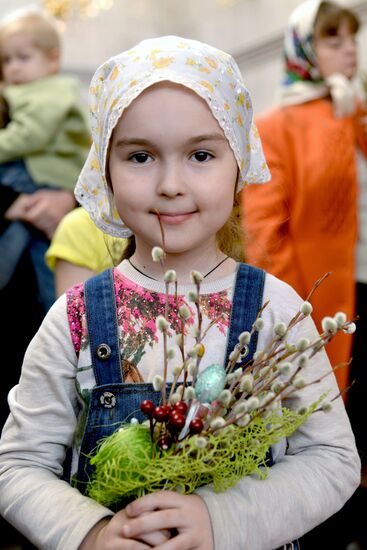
{"x": 187, "y": 514}
{"x": 107, "y": 534}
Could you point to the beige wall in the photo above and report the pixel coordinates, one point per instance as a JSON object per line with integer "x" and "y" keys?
{"x": 249, "y": 29}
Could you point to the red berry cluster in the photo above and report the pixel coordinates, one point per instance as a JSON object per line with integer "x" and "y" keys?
{"x": 174, "y": 419}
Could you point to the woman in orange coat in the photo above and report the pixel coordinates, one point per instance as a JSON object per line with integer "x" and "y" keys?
{"x": 304, "y": 223}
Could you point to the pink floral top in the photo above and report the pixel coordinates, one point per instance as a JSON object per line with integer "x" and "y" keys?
{"x": 137, "y": 309}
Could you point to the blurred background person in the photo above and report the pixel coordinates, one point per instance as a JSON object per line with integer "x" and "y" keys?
{"x": 42, "y": 147}
{"x": 315, "y": 143}
{"x": 79, "y": 249}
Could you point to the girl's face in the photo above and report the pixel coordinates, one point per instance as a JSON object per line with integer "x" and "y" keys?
{"x": 169, "y": 154}
{"x": 337, "y": 54}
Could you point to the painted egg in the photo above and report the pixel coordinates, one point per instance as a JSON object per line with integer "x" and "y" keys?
{"x": 210, "y": 383}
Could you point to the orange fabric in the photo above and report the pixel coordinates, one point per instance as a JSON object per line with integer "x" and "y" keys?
{"x": 303, "y": 223}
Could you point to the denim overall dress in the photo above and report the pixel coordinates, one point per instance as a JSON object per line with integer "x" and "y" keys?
{"x": 112, "y": 401}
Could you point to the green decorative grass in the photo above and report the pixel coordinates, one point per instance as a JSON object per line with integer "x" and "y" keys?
{"x": 127, "y": 464}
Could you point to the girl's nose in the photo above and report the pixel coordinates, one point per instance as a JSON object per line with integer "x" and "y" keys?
{"x": 171, "y": 182}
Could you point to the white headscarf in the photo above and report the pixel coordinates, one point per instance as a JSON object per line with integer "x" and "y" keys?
{"x": 211, "y": 73}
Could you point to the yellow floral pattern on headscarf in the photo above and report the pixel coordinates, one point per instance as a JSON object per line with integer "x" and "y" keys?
{"x": 209, "y": 72}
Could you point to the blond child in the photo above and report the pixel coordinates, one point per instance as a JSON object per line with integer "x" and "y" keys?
{"x": 43, "y": 146}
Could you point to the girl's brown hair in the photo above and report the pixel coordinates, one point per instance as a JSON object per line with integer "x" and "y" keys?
{"x": 329, "y": 18}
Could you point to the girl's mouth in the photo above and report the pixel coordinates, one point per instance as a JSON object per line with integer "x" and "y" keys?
{"x": 175, "y": 219}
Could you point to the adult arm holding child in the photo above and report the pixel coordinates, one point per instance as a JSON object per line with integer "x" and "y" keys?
{"x": 44, "y": 209}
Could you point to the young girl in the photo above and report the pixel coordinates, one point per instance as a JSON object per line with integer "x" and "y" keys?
{"x": 173, "y": 135}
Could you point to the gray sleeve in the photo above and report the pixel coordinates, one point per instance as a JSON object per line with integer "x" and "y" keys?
{"x": 48, "y": 511}
{"x": 312, "y": 481}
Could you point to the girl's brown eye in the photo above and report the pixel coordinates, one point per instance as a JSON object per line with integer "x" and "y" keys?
{"x": 140, "y": 158}
{"x": 202, "y": 156}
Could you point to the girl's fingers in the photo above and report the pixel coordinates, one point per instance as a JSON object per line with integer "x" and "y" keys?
{"x": 106, "y": 534}
{"x": 159, "y": 520}
{"x": 156, "y": 539}
{"x": 187, "y": 514}
{"x": 153, "y": 501}
{"x": 124, "y": 544}
{"x": 181, "y": 542}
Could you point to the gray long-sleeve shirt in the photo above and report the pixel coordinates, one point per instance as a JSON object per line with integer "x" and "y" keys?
{"x": 318, "y": 473}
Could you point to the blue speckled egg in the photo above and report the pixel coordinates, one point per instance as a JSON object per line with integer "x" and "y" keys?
{"x": 210, "y": 383}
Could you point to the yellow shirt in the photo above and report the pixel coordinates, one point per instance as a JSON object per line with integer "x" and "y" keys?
{"x": 79, "y": 241}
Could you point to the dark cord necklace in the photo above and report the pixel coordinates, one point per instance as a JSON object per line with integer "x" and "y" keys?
{"x": 153, "y": 279}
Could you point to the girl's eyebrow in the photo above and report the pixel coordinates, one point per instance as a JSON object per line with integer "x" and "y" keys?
{"x": 133, "y": 141}
{"x": 215, "y": 136}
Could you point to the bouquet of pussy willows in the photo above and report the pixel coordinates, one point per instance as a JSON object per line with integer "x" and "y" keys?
{"x": 211, "y": 425}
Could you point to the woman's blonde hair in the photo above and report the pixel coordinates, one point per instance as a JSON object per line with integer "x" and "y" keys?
{"x": 41, "y": 28}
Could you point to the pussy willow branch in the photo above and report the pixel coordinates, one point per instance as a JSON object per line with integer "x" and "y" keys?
{"x": 343, "y": 391}
{"x": 317, "y": 284}
{"x": 198, "y": 336}
{"x": 165, "y": 358}
{"x": 263, "y": 383}
{"x": 233, "y": 361}
{"x": 233, "y": 418}
{"x": 309, "y": 296}
{"x": 182, "y": 344}
{"x": 161, "y": 228}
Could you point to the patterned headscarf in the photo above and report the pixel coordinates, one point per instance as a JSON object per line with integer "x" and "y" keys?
{"x": 300, "y": 59}
{"x": 211, "y": 73}
{"x": 302, "y": 81}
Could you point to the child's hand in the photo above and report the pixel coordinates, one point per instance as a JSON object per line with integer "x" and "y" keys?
{"x": 187, "y": 514}
{"x": 107, "y": 534}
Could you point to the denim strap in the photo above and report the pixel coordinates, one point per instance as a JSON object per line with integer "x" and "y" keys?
{"x": 100, "y": 306}
{"x": 247, "y": 300}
